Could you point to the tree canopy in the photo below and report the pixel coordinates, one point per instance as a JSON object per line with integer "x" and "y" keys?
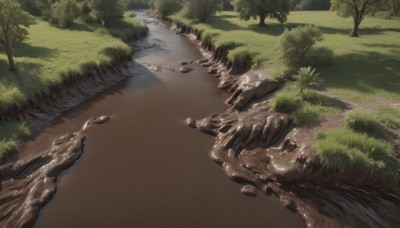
{"x": 14, "y": 23}
{"x": 274, "y": 9}
{"x": 202, "y": 9}
{"x": 106, "y": 11}
{"x": 357, "y": 9}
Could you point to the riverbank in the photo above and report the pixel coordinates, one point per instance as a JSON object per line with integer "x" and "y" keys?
{"x": 50, "y": 63}
{"x": 260, "y": 145}
{"x": 329, "y": 107}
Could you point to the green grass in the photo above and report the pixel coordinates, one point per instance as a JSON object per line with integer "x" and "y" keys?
{"x": 364, "y": 68}
{"x": 389, "y": 116}
{"x": 364, "y": 123}
{"x": 345, "y": 151}
{"x": 10, "y": 135}
{"x": 306, "y": 109}
{"x": 50, "y": 54}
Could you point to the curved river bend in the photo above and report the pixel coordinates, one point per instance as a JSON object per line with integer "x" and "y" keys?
{"x": 145, "y": 168}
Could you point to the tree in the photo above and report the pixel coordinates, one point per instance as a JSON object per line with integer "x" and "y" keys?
{"x": 64, "y": 12}
{"x": 274, "y": 9}
{"x": 14, "y": 23}
{"x": 201, "y": 9}
{"x": 166, "y": 7}
{"x": 106, "y": 11}
{"x": 357, "y": 9}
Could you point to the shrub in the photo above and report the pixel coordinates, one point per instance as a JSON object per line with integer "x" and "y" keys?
{"x": 201, "y": 9}
{"x": 64, "y": 12}
{"x": 320, "y": 57}
{"x": 364, "y": 123}
{"x": 306, "y": 77}
{"x": 296, "y": 45}
{"x": 106, "y": 11}
{"x": 285, "y": 101}
{"x": 343, "y": 150}
{"x": 165, "y": 8}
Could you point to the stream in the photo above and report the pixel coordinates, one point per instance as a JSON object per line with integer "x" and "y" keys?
{"x": 146, "y": 168}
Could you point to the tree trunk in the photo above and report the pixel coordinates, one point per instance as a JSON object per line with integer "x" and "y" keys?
{"x": 262, "y": 19}
{"x": 8, "y": 50}
{"x": 354, "y": 32}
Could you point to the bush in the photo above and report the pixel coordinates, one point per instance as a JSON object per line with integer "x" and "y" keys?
{"x": 201, "y": 9}
{"x": 343, "y": 150}
{"x": 296, "y": 45}
{"x": 285, "y": 101}
{"x": 364, "y": 123}
{"x": 165, "y": 8}
{"x": 64, "y": 12}
{"x": 320, "y": 57}
{"x": 307, "y": 77}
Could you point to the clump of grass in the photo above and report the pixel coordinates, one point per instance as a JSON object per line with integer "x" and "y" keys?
{"x": 286, "y": 101}
{"x": 389, "y": 117}
{"x": 115, "y": 52}
{"x": 344, "y": 150}
{"x": 305, "y": 108}
{"x": 10, "y": 135}
{"x": 8, "y": 95}
{"x": 364, "y": 123}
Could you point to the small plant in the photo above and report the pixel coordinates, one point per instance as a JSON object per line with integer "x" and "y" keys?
{"x": 285, "y": 101}
{"x": 364, "y": 123}
{"x": 307, "y": 77}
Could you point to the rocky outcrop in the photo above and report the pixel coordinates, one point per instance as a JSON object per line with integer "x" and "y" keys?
{"x": 27, "y": 185}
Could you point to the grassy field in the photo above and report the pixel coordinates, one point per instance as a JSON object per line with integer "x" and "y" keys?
{"x": 48, "y": 55}
{"x": 365, "y": 73}
{"x": 364, "y": 68}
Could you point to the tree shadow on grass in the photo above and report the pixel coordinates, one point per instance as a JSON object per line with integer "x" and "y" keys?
{"x": 26, "y": 50}
{"x": 222, "y": 23}
{"x": 366, "y": 73}
{"x": 28, "y": 78}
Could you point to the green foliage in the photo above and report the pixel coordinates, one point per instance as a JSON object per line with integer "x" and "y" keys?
{"x": 107, "y": 11}
{"x": 165, "y": 8}
{"x": 364, "y": 123}
{"x": 344, "y": 151}
{"x": 305, "y": 5}
{"x": 14, "y": 23}
{"x": 201, "y": 9}
{"x": 10, "y": 135}
{"x": 64, "y": 12}
{"x": 357, "y": 10}
{"x": 286, "y": 101}
{"x": 274, "y": 9}
{"x": 296, "y": 45}
{"x": 139, "y": 4}
{"x": 307, "y": 77}
{"x": 389, "y": 117}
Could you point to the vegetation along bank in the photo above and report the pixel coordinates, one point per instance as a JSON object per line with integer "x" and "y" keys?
{"x": 54, "y": 47}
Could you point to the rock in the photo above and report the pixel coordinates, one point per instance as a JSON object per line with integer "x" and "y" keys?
{"x": 190, "y": 122}
{"x": 249, "y": 190}
{"x": 185, "y": 69}
{"x": 212, "y": 70}
{"x": 200, "y": 61}
{"x": 206, "y": 64}
{"x": 183, "y": 63}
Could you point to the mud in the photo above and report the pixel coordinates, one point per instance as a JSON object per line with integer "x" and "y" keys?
{"x": 258, "y": 146}
{"x": 27, "y": 185}
{"x": 145, "y": 168}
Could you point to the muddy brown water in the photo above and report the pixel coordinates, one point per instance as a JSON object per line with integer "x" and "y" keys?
{"x": 145, "y": 168}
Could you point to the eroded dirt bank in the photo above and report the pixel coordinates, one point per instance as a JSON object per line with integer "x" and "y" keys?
{"x": 258, "y": 146}
{"x": 28, "y": 185}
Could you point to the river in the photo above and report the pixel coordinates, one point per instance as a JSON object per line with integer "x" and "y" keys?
{"x": 145, "y": 168}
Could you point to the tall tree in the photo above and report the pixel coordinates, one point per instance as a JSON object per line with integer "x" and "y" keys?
{"x": 274, "y": 9}
{"x": 14, "y": 23}
{"x": 202, "y": 9}
{"x": 357, "y": 9}
{"x": 107, "y": 11}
